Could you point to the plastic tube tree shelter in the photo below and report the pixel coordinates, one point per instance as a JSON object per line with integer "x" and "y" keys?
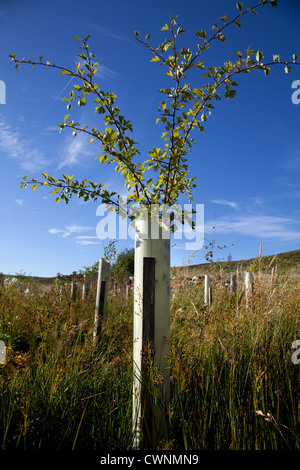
{"x": 157, "y": 248}
{"x": 207, "y": 290}
{"x": 163, "y": 177}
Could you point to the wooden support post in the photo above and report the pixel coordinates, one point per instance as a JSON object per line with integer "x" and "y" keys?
{"x": 148, "y": 351}
{"x": 127, "y": 291}
{"x": 233, "y": 283}
{"x": 101, "y": 296}
{"x": 207, "y": 290}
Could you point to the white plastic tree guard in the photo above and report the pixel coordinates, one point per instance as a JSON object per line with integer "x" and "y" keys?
{"x": 249, "y": 280}
{"x": 101, "y": 297}
{"x": 2, "y": 353}
{"x": 74, "y": 291}
{"x": 158, "y": 248}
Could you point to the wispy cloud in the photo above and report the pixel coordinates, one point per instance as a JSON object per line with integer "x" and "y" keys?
{"x": 105, "y": 72}
{"x": 78, "y": 228}
{"x": 258, "y": 226}
{"x": 234, "y": 205}
{"x": 20, "y": 149}
{"x": 73, "y": 229}
{"x": 87, "y": 242}
{"x": 20, "y": 202}
{"x": 63, "y": 233}
{"x": 110, "y": 33}
{"x": 75, "y": 151}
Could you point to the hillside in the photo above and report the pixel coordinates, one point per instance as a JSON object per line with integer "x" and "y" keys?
{"x": 287, "y": 263}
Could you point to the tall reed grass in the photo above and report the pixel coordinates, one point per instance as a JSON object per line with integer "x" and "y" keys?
{"x": 233, "y": 383}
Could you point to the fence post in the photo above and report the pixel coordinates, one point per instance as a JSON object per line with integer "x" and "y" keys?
{"x": 158, "y": 248}
{"x": 233, "y": 283}
{"x": 207, "y": 290}
{"x": 101, "y": 296}
{"x": 249, "y": 279}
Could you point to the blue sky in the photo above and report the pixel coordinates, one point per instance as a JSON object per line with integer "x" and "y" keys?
{"x": 247, "y": 161}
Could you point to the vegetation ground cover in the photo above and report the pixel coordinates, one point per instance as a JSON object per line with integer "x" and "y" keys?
{"x": 233, "y": 383}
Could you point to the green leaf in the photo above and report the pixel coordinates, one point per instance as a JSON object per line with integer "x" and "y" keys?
{"x": 155, "y": 59}
{"x": 239, "y": 6}
{"x": 165, "y": 27}
{"x": 252, "y": 10}
{"x": 200, "y": 65}
{"x": 82, "y": 101}
{"x": 35, "y": 186}
{"x": 201, "y": 34}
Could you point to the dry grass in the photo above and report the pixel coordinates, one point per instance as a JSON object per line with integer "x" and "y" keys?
{"x": 233, "y": 383}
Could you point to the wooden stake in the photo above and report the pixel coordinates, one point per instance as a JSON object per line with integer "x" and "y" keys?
{"x": 233, "y": 283}
{"x": 148, "y": 350}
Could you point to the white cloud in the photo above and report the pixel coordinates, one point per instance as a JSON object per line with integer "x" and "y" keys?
{"x": 258, "y": 226}
{"x": 71, "y": 229}
{"x": 74, "y": 151}
{"x": 20, "y": 202}
{"x": 86, "y": 242}
{"x": 21, "y": 149}
{"x": 226, "y": 203}
{"x": 78, "y": 228}
{"x": 55, "y": 231}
